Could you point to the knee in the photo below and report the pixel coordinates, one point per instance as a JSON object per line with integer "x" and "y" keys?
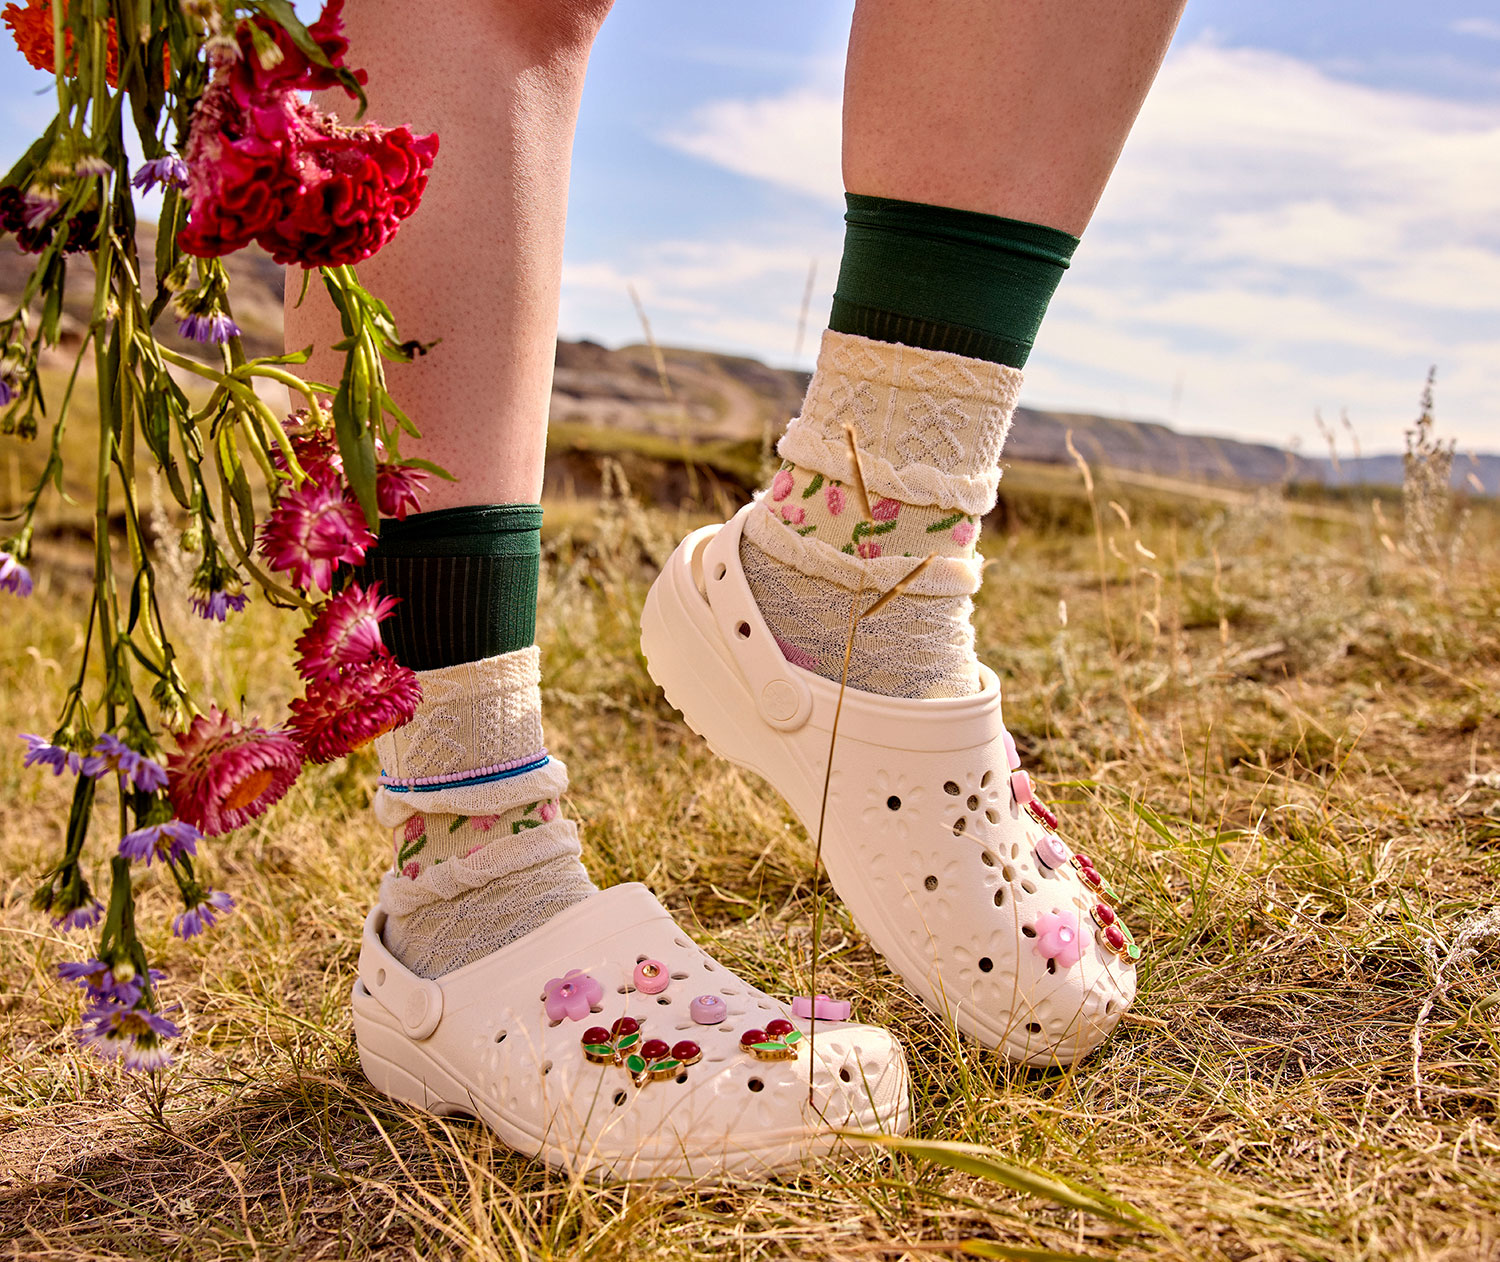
{"x": 558, "y": 25}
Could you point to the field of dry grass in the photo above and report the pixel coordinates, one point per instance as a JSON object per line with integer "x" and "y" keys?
{"x": 1280, "y": 736}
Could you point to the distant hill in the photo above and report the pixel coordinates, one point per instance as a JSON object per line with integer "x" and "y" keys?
{"x": 733, "y": 402}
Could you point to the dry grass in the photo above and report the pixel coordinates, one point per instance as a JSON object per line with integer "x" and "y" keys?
{"x": 1276, "y": 735}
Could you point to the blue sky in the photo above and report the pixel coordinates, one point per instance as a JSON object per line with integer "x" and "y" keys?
{"x": 1307, "y": 216}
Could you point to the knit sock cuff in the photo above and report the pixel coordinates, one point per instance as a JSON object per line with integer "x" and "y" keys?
{"x": 475, "y": 719}
{"x": 929, "y": 425}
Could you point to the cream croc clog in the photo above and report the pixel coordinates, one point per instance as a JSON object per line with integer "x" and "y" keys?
{"x": 931, "y": 838}
{"x": 531, "y": 1041}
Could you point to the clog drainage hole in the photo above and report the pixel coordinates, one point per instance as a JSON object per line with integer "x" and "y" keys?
{"x": 755, "y": 1084}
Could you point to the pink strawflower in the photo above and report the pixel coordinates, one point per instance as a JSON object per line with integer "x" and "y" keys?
{"x": 227, "y": 774}
{"x": 885, "y": 509}
{"x": 346, "y": 632}
{"x": 313, "y": 530}
{"x": 964, "y": 532}
{"x": 833, "y": 496}
{"x": 341, "y": 714}
{"x": 868, "y": 549}
{"x": 793, "y": 515}
{"x": 398, "y": 489}
{"x": 317, "y": 451}
{"x": 781, "y": 485}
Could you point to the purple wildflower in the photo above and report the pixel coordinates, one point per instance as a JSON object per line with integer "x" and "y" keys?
{"x": 112, "y": 754}
{"x": 169, "y": 840}
{"x": 84, "y": 916}
{"x": 216, "y": 606}
{"x": 92, "y": 165}
{"x": 14, "y": 577}
{"x": 7, "y": 391}
{"x": 39, "y": 208}
{"x": 216, "y": 328}
{"x": 202, "y": 915}
{"x": 168, "y": 170}
{"x": 98, "y": 979}
{"x": 132, "y": 1034}
{"x": 40, "y": 753}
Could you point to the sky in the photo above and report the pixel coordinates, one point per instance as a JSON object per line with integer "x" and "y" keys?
{"x": 1306, "y": 216}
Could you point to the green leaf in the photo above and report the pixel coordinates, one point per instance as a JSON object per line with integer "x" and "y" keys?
{"x": 794, "y": 1037}
{"x": 630, "y": 1040}
{"x": 983, "y": 1163}
{"x": 669, "y": 1063}
{"x": 770, "y": 1047}
{"x": 635, "y": 1064}
{"x": 812, "y": 487}
{"x": 599, "y": 1049}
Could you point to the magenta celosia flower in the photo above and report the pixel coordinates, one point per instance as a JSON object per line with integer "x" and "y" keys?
{"x": 169, "y": 841}
{"x": 267, "y": 166}
{"x": 341, "y": 714}
{"x": 346, "y": 632}
{"x": 313, "y": 530}
{"x": 14, "y": 577}
{"x": 41, "y": 753}
{"x": 227, "y": 774}
{"x": 398, "y": 489}
{"x": 203, "y": 914}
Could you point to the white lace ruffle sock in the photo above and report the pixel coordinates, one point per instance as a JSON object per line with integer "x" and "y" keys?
{"x": 929, "y": 427}
{"x": 482, "y": 851}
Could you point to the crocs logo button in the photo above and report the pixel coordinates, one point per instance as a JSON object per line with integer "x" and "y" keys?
{"x": 779, "y": 700}
{"x": 416, "y": 1009}
{"x": 651, "y": 977}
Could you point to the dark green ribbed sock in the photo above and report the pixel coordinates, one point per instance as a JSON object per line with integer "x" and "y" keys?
{"x": 945, "y": 279}
{"x": 467, "y": 582}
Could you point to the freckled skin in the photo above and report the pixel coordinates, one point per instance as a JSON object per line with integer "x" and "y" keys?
{"x": 1010, "y": 107}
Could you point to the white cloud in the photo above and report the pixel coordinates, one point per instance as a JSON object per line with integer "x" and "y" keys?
{"x": 1484, "y": 28}
{"x": 1274, "y": 240}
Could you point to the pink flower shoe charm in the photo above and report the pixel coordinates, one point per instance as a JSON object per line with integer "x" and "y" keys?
{"x": 822, "y": 1007}
{"x": 572, "y": 995}
{"x": 1058, "y": 938}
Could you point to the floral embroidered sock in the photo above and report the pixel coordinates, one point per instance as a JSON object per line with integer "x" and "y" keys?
{"x": 482, "y": 851}
{"x": 929, "y": 426}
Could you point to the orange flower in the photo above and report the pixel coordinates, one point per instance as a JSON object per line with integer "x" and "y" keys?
{"x": 31, "y": 24}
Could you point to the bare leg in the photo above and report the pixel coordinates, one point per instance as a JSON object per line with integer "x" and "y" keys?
{"x": 479, "y": 265}
{"x": 1017, "y": 109}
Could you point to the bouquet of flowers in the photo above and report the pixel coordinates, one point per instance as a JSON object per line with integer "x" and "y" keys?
{"x": 211, "y": 90}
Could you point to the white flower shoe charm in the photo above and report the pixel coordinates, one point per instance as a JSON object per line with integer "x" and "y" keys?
{"x": 933, "y": 838}
{"x": 607, "y": 1043}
